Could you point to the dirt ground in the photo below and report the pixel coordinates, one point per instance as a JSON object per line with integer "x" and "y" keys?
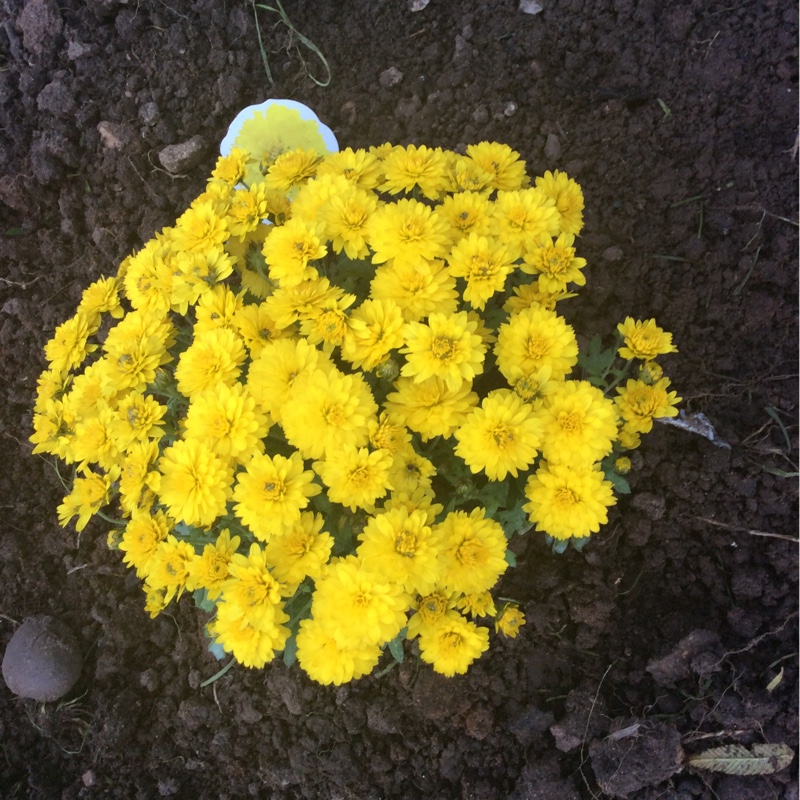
{"x": 679, "y": 120}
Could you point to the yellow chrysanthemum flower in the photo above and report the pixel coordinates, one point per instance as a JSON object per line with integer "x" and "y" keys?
{"x": 501, "y": 163}
{"x": 101, "y": 297}
{"x": 639, "y": 403}
{"x": 289, "y": 304}
{"x": 289, "y": 249}
{"x": 386, "y": 434}
{"x": 430, "y": 407}
{"x": 326, "y": 661}
{"x": 509, "y": 622}
{"x": 579, "y": 424}
{"x": 447, "y": 347}
{"x": 139, "y": 479}
{"x": 355, "y": 477}
{"x": 467, "y": 176}
{"x": 230, "y": 168}
{"x": 556, "y": 264}
{"x": 523, "y": 216}
{"x": 328, "y": 411}
{"x": 532, "y": 339}
{"x": 255, "y": 325}
{"x": 417, "y": 289}
{"x": 467, "y": 212}
{"x": 195, "y": 483}
{"x": 484, "y": 264}
{"x": 199, "y": 228}
{"x": 252, "y": 644}
{"x": 148, "y": 278}
{"x": 530, "y": 294}
{"x": 375, "y": 328}
{"x": 400, "y": 547}
{"x": 95, "y": 442}
{"x": 410, "y": 471}
{"x": 406, "y": 168}
{"x": 273, "y": 375}
{"x": 142, "y": 535}
{"x": 429, "y": 610}
{"x": 213, "y": 357}
{"x": 272, "y": 492}
{"x": 356, "y": 607}
{"x": 216, "y": 308}
{"x": 252, "y": 592}
{"x": 247, "y": 209}
{"x": 329, "y": 325}
{"x": 473, "y": 551}
{"x": 138, "y": 417}
{"x": 211, "y": 568}
{"x": 568, "y": 198}
{"x": 501, "y": 437}
{"x": 453, "y": 644}
{"x": 478, "y": 604}
{"x": 346, "y": 217}
{"x": 359, "y": 167}
{"x": 419, "y": 499}
{"x": 290, "y": 169}
{"x": 568, "y": 501}
{"x": 226, "y": 419}
{"x": 644, "y": 339}
{"x": 54, "y": 429}
{"x": 89, "y": 494}
{"x": 407, "y": 231}
{"x": 168, "y": 569}
{"x": 70, "y": 344}
{"x": 300, "y": 552}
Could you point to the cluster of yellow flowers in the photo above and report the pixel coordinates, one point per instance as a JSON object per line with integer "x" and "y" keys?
{"x": 276, "y": 391}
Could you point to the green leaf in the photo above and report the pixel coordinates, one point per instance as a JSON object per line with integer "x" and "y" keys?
{"x": 579, "y": 542}
{"x": 618, "y": 482}
{"x": 596, "y": 362}
{"x": 493, "y": 496}
{"x": 396, "y": 646}
{"x": 514, "y": 521}
{"x": 559, "y": 545}
{"x": 511, "y": 558}
{"x": 736, "y": 759}
{"x": 200, "y": 597}
{"x": 216, "y": 650}
{"x": 290, "y": 650}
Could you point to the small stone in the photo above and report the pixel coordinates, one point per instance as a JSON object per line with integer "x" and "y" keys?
{"x": 530, "y": 7}
{"x": 88, "y": 779}
{"x": 480, "y": 115}
{"x": 418, "y": 5}
{"x": 113, "y": 135}
{"x": 40, "y": 23}
{"x": 390, "y": 77}
{"x": 178, "y": 159}
{"x": 613, "y": 253}
{"x": 552, "y": 147}
{"x": 76, "y": 50}
{"x": 510, "y": 109}
{"x": 43, "y": 659}
{"x": 148, "y": 113}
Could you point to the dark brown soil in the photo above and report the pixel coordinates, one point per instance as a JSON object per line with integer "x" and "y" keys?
{"x": 678, "y": 119}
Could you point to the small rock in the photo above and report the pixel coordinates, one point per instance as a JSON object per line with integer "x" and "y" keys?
{"x": 178, "y": 159}
{"x": 390, "y": 77}
{"x": 43, "y": 659}
{"x": 76, "y": 50}
{"x": 88, "y": 779}
{"x": 480, "y": 115}
{"x": 149, "y": 114}
{"x": 113, "y": 135}
{"x": 530, "y": 7}
{"x": 418, "y": 5}
{"x": 552, "y": 147}
{"x": 510, "y": 109}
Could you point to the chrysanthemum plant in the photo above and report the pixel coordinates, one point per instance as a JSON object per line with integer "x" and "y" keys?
{"x": 327, "y": 398}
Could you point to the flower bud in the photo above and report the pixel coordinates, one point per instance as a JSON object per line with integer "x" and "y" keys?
{"x": 387, "y": 370}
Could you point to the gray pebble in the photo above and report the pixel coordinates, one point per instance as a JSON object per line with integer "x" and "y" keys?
{"x": 180, "y": 158}
{"x": 43, "y": 659}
